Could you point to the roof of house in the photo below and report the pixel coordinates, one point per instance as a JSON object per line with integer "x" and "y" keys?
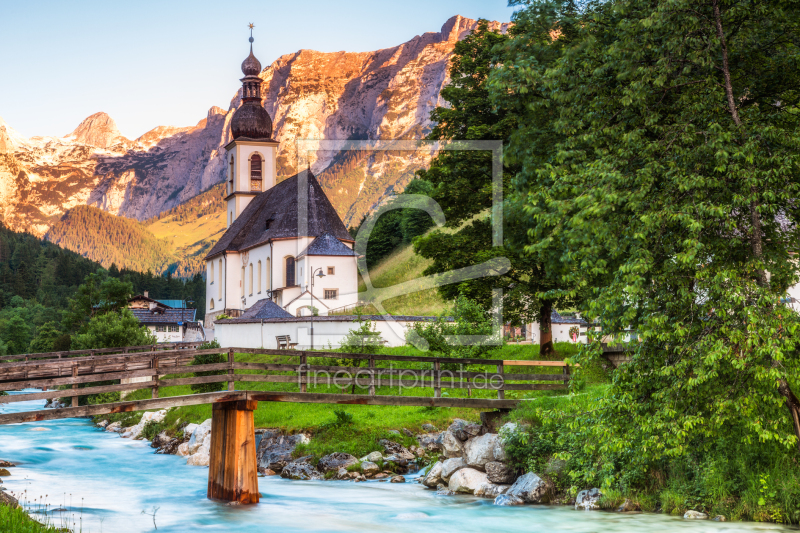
{"x": 555, "y": 318}
{"x": 150, "y": 300}
{"x": 332, "y": 318}
{"x": 174, "y": 304}
{"x": 280, "y": 206}
{"x": 265, "y": 308}
{"x": 327, "y": 244}
{"x": 164, "y": 316}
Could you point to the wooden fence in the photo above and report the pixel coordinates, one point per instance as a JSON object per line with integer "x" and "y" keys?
{"x": 161, "y": 368}
{"x": 102, "y": 351}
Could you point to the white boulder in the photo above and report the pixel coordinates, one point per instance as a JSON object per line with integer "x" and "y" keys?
{"x": 199, "y": 435}
{"x": 372, "y": 457}
{"x": 434, "y": 476}
{"x": 189, "y": 429}
{"x": 451, "y": 466}
{"x": 491, "y": 490}
{"x": 201, "y": 458}
{"x": 480, "y": 450}
{"x": 467, "y": 480}
{"x": 183, "y": 449}
{"x": 588, "y": 500}
{"x": 451, "y": 446}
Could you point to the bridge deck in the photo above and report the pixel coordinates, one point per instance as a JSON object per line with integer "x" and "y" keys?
{"x": 130, "y": 369}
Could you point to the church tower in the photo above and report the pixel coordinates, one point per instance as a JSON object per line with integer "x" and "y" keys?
{"x": 251, "y": 155}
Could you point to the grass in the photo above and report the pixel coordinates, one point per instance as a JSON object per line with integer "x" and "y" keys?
{"x": 17, "y": 520}
{"x": 369, "y": 423}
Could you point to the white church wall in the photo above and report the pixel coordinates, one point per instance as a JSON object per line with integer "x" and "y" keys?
{"x": 242, "y": 154}
{"x": 256, "y": 335}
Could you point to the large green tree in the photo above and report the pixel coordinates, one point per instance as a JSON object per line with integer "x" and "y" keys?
{"x": 113, "y": 330}
{"x": 462, "y": 186}
{"x": 659, "y": 155}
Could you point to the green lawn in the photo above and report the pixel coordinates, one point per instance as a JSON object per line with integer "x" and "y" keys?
{"x": 369, "y": 423}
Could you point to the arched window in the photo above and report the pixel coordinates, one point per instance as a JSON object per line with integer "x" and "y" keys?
{"x": 230, "y": 179}
{"x": 259, "y": 277}
{"x": 255, "y": 173}
{"x": 290, "y": 282}
{"x": 251, "y": 279}
{"x": 211, "y": 304}
{"x": 241, "y": 283}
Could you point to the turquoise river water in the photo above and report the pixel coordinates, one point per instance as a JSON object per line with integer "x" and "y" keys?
{"x": 114, "y": 485}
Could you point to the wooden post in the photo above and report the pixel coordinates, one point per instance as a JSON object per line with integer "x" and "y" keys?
{"x": 501, "y": 394}
{"x": 303, "y": 374}
{"x": 74, "y": 385}
{"x": 231, "y": 378}
{"x": 437, "y": 380}
{"x": 232, "y": 474}
{"x": 155, "y": 377}
{"x": 566, "y": 374}
{"x": 371, "y": 375}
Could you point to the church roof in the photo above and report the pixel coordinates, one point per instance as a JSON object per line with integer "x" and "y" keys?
{"x": 279, "y": 206}
{"x": 327, "y": 244}
{"x": 265, "y": 308}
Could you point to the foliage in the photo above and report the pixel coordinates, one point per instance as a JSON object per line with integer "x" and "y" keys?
{"x": 670, "y": 183}
{"x": 45, "y": 339}
{"x": 109, "y": 239}
{"x": 16, "y": 334}
{"x": 398, "y": 226}
{"x": 468, "y": 319}
{"x": 151, "y": 429}
{"x": 209, "y": 359}
{"x": 17, "y": 520}
{"x": 113, "y": 330}
{"x": 462, "y": 185}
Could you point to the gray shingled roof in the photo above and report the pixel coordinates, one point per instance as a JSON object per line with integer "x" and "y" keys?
{"x": 279, "y": 205}
{"x": 167, "y": 316}
{"x": 555, "y": 318}
{"x": 327, "y": 244}
{"x": 265, "y": 308}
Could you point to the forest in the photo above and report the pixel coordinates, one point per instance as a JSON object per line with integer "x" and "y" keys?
{"x": 39, "y": 280}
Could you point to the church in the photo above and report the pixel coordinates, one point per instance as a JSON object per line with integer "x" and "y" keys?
{"x": 285, "y": 247}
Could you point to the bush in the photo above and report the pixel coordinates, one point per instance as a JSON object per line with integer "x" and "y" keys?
{"x": 209, "y": 359}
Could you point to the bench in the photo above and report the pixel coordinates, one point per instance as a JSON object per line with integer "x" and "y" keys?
{"x": 285, "y": 342}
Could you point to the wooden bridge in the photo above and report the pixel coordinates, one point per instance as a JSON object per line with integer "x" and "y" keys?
{"x": 232, "y": 472}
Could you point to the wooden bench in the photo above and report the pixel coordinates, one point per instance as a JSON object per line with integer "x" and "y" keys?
{"x": 285, "y": 342}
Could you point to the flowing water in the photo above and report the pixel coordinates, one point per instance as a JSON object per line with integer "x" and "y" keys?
{"x": 115, "y": 485}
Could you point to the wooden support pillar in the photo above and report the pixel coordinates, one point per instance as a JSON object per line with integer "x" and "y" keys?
{"x": 155, "y": 377}
{"x": 232, "y": 474}
{"x": 501, "y": 394}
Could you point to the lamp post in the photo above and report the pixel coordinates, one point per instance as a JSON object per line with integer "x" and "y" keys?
{"x": 320, "y": 275}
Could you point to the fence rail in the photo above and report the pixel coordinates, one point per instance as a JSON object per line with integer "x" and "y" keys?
{"x": 130, "y": 369}
{"x": 80, "y": 353}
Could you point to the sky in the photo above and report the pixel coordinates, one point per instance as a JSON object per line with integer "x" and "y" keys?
{"x": 165, "y": 63}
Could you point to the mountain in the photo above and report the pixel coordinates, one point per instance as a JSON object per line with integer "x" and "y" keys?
{"x": 384, "y": 94}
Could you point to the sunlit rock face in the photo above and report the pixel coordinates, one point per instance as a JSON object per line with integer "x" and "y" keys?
{"x": 384, "y": 94}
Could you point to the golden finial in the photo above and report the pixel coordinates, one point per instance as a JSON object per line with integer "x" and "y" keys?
{"x": 251, "y": 25}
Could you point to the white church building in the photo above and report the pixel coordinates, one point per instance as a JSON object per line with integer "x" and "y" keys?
{"x": 279, "y": 236}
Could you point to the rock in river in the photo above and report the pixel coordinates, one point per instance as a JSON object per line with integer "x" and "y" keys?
{"x": 467, "y": 480}
{"x": 434, "y": 476}
{"x": 499, "y": 472}
{"x": 335, "y": 461}
{"x": 301, "y": 471}
{"x": 451, "y": 466}
{"x": 529, "y": 488}
{"x": 695, "y": 515}
{"x": 370, "y": 468}
{"x": 480, "y": 450}
{"x": 588, "y": 500}
{"x": 491, "y": 490}
{"x": 275, "y": 449}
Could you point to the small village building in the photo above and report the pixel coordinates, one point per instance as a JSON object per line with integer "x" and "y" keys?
{"x": 565, "y": 329}
{"x": 167, "y": 323}
{"x": 284, "y": 241}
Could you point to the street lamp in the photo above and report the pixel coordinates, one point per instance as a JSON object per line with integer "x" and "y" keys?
{"x": 320, "y": 275}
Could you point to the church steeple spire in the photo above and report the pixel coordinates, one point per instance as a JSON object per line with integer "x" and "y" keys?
{"x": 251, "y": 121}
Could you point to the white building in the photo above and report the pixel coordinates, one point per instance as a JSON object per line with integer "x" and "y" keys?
{"x": 278, "y": 235}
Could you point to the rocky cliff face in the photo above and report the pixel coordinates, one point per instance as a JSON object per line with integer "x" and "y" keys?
{"x": 385, "y": 94}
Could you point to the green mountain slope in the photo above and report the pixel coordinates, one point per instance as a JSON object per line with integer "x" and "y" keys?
{"x": 108, "y": 239}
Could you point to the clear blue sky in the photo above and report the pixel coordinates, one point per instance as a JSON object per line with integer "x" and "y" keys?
{"x": 151, "y": 63}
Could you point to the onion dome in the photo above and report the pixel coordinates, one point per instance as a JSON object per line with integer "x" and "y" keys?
{"x": 251, "y": 66}
{"x": 251, "y": 121}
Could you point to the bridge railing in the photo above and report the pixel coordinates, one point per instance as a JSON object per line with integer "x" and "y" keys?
{"x": 100, "y": 351}
{"x": 131, "y": 370}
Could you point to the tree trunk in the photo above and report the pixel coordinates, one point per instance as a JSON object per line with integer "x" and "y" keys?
{"x": 546, "y": 329}
{"x": 793, "y": 404}
{"x": 756, "y": 243}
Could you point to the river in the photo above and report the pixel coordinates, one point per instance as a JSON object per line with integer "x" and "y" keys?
{"x": 114, "y": 485}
